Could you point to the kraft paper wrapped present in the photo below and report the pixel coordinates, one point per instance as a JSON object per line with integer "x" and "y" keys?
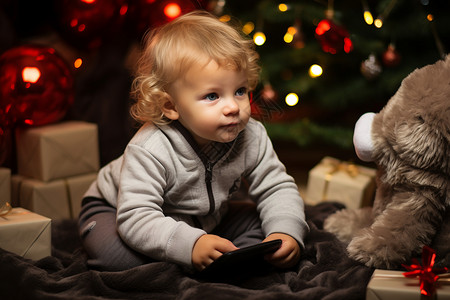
{"x": 25, "y": 233}
{"x": 388, "y": 285}
{"x": 335, "y": 180}
{"x": 57, "y": 151}
{"x": 5, "y": 187}
{"x": 56, "y": 199}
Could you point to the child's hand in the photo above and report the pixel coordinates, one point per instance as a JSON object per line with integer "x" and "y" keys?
{"x": 287, "y": 255}
{"x": 208, "y": 248}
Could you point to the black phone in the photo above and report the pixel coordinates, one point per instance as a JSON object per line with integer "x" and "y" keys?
{"x": 240, "y": 259}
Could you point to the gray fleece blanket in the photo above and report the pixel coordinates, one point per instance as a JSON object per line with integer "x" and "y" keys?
{"x": 324, "y": 272}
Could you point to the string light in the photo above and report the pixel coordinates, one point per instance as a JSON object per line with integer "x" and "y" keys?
{"x": 282, "y": 7}
{"x": 172, "y": 10}
{"x": 348, "y": 45}
{"x": 315, "y": 71}
{"x": 77, "y": 63}
{"x": 291, "y": 99}
{"x": 436, "y": 37}
{"x": 225, "y": 18}
{"x": 248, "y": 27}
{"x": 378, "y": 23}
{"x": 368, "y": 17}
{"x": 123, "y": 9}
{"x": 259, "y": 38}
{"x": 289, "y": 36}
{"x": 367, "y": 14}
{"x": 31, "y": 74}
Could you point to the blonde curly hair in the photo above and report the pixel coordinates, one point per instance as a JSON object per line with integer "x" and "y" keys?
{"x": 171, "y": 50}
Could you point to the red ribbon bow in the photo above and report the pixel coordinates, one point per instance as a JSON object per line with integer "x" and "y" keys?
{"x": 427, "y": 275}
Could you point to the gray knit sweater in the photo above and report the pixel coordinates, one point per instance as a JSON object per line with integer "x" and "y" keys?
{"x": 169, "y": 192}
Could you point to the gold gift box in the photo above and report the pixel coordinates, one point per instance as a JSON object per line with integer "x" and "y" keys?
{"x": 58, "y": 150}
{"x": 388, "y": 285}
{"x": 56, "y": 199}
{"x": 335, "y": 180}
{"x": 25, "y": 233}
{"x": 5, "y": 186}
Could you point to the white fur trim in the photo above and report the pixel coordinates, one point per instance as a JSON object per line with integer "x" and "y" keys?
{"x": 362, "y": 137}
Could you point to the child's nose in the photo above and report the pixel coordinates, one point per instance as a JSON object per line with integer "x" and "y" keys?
{"x": 231, "y": 106}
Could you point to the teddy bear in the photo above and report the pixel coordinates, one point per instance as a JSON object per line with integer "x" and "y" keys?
{"x": 409, "y": 142}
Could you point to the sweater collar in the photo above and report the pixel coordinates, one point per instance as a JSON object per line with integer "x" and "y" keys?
{"x": 212, "y": 152}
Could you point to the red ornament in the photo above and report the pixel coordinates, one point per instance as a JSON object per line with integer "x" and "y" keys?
{"x": 36, "y": 86}
{"x": 146, "y": 14}
{"x": 86, "y": 23}
{"x": 333, "y": 38}
{"x": 426, "y": 273}
{"x": 391, "y": 57}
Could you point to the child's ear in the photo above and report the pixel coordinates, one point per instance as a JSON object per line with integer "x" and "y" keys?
{"x": 169, "y": 109}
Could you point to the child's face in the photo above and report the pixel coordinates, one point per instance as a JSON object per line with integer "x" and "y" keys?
{"x": 211, "y": 102}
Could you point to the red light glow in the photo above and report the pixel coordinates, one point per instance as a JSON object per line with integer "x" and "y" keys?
{"x": 172, "y": 10}
{"x": 77, "y": 63}
{"x": 74, "y": 22}
{"x": 123, "y": 9}
{"x": 348, "y": 45}
{"x": 31, "y": 74}
{"x": 322, "y": 27}
{"x": 88, "y": 1}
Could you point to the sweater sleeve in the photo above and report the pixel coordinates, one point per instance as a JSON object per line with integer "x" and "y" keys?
{"x": 140, "y": 218}
{"x": 279, "y": 203}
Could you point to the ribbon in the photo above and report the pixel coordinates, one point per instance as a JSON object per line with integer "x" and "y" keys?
{"x": 337, "y": 166}
{"x": 426, "y": 273}
{"x": 5, "y": 209}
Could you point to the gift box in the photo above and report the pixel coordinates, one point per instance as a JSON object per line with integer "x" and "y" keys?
{"x": 25, "y": 233}
{"x": 56, "y": 199}
{"x": 387, "y": 285}
{"x": 334, "y": 180}
{"x": 5, "y": 187}
{"x": 57, "y": 151}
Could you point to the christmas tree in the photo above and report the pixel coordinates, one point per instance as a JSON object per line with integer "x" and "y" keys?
{"x": 362, "y": 50}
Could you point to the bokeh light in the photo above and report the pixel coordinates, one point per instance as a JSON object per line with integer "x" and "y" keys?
{"x": 315, "y": 71}
{"x": 172, "y": 10}
{"x": 368, "y": 17}
{"x": 259, "y": 38}
{"x": 291, "y": 99}
{"x": 31, "y": 74}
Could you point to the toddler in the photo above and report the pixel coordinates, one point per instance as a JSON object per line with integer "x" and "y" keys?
{"x": 173, "y": 194}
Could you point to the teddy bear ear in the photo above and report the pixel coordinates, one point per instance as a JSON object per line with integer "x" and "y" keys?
{"x": 423, "y": 145}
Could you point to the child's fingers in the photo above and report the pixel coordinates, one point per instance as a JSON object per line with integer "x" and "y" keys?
{"x": 224, "y": 245}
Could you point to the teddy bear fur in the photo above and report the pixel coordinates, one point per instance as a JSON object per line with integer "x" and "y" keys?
{"x": 411, "y": 150}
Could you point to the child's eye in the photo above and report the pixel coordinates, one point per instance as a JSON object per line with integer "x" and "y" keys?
{"x": 212, "y": 97}
{"x": 241, "y": 91}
